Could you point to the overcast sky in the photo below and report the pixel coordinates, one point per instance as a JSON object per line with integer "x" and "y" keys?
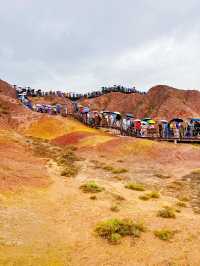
{"x": 85, "y": 44}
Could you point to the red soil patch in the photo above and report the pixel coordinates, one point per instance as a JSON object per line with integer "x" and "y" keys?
{"x": 19, "y": 168}
{"x": 71, "y": 138}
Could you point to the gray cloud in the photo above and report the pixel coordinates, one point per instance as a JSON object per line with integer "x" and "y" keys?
{"x": 78, "y": 45}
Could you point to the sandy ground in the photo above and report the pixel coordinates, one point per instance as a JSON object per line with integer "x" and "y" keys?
{"x": 49, "y": 221}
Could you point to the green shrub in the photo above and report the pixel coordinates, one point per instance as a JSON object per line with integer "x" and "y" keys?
{"x": 135, "y": 186}
{"x": 91, "y": 187}
{"x": 167, "y": 212}
{"x": 164, "y": 234}
{"x": 125, "y": 227}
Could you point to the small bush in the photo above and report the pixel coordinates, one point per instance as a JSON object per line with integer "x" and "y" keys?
{"x": 161, "y": 176}
{"x": 114, "y": 208}
{"x": 120, "y": 161}
{"x": 97, "y": 164}
{"x": 70, "y": 171}
{"x": 167, "y": 212}
{"x": 93, "y": 197}
{"x": 108, "y": 168}
{"x": 119, "y": 171}
{"x": 135, "y": 186}
{"x": 125, "y": 227}
{"x": 183, "y": 198}
{"x": 150, "y": 195}
{"x": 164, "y": 234}
{"x": 67, "y": 161}
{"x": 154, "y": 194}
{"x": 181, "y": 204}
{"x": 144, "y": 197}
{"x": 91, "y": 187}
{"x": 120, "y": 178}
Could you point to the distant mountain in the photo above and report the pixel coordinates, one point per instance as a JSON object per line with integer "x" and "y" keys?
{"x": 160, "y": 102}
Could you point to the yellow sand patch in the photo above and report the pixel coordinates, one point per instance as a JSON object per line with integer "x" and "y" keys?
{"x": 138, "y": 147}
{"x": 53, "y": 127}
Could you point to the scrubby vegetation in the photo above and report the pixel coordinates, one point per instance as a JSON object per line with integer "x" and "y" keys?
{"x": 167, "y": 212}
{"x": 114, "y": 208}
{"x": 164, "y": 234}
{"x": 119, "y": 170}
{"x": 183, "y": 198}
{"x": 150, "y": 195}
{"x": 162, "y": 176}
{"x": 108, "y": 168}
{"x": 135, "y": 186}
{"x": 126, "y": 227}
{"x": 181, "y": 204}
{"x": 91, "y": 187}
{"x": 93, "y": 197}
{"x": 67, "y": 161}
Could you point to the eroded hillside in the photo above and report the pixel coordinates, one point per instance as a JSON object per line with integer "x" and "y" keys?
{"x": 60, "y": 179}
{"x": 160, "y": 102}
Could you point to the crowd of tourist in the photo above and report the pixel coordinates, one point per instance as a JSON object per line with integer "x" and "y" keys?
{"x": 29, "y": 92}
{"x": 126, "y": 124}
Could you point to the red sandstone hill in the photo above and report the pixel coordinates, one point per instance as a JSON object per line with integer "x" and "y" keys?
{"x": 12, "y": 113}
{"x": 160, "y": 102}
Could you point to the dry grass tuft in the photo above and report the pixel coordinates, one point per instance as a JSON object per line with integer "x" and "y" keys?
{"x": 164, "y": 234}
{"x": 114, "y": 208}
{"x": 150, "y": 195}
{"x": 167, "y": 212}
{"x": 135, "y": 186}
{"x": 181, "y": 204}
{"x": 91, "y": 187}
{"x": 162, "y": 176}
